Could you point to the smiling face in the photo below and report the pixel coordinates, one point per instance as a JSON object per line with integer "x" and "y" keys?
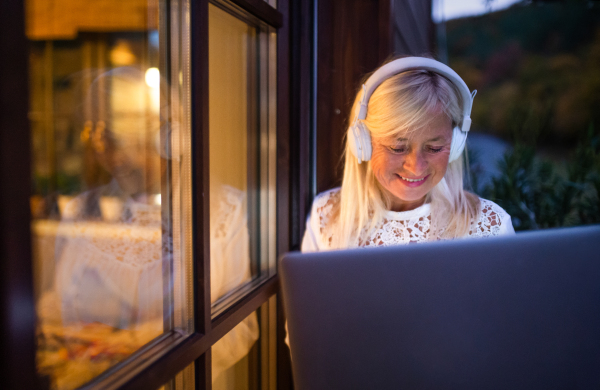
{"x": 410, "y": 166}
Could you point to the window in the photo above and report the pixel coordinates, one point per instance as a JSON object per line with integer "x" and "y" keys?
{"x": 154, "y": 154}
{"x": 111, "y": 170}
{"x": 183, "y": 380}
{"x": 241, "y": 153}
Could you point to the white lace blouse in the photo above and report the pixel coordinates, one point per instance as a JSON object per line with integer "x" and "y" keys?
{"x": 398, "y": 228}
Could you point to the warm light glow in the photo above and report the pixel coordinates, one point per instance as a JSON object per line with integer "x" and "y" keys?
{"x": 157, "y": 199}
{"x": 121, "y": 54}
{"x": 153, "y": 78}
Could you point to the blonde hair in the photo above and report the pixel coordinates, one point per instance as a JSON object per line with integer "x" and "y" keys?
{"x": 402, "y": 104}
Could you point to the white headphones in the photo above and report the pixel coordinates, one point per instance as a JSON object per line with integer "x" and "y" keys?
{"x": 359, "y": 136}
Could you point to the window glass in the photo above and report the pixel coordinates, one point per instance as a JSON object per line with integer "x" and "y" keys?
{"x": 241, "y": 139}
{"x": 184, "y": 380}
{"x": 110, "y": 147}
{"x": 245, "y": 357}
{"x": 235, "y": 357}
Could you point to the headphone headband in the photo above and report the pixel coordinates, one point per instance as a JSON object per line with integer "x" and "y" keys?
{"x": 414, "y": 63}
{"x": 361, "y": 143}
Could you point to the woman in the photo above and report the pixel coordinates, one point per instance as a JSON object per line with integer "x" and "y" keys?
{"x": 403, "y": 174}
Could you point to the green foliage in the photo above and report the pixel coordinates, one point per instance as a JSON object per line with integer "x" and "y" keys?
{"x": 541, "y": 194}
{"x": 542, "y": 28}
{"x": 537, "y": 68}
{"x": 542, "y": 58}
{"x": 584, "y": 178}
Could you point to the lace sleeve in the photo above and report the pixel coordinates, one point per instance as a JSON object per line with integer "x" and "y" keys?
{"x": 493, "y": 221}
{"x": 318, "y": 234}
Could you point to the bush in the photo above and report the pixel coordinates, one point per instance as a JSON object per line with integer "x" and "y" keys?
{"x": 540, "y": 194}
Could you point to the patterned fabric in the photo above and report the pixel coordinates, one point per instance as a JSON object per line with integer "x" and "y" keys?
{"x": 111, "y": 273}
{"x": 400, "y": 228}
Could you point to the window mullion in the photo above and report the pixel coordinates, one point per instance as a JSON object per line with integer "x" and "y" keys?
{"x": 204, "y": 372}
{"x": 200, "y": 161}
{"x": 261, "y": 10}
{"x": 200, "y": 186}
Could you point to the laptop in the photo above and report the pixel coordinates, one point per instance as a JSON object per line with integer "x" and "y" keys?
{"x": 518, "y": 312}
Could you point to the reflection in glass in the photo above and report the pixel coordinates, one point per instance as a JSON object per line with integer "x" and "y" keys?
{"x": 108, "y": 246}
{"x": 104, "y": 294}
{"x": 230, "y": 41}
{"x": 233, "y": 176}
{"x": 184, "y": 380}
{"x": 235, "y": 357}
{"x": 241, "y": 136}
{"x": 241, "y": 359}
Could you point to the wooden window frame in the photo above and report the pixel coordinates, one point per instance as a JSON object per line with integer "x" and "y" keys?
{"x": 17, "y": 312}
{"x": 167, "y": 355}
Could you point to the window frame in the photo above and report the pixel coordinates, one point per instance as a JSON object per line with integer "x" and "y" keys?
{"x": 169, "y": 354}
{"x": 164, "y": 357}
{"x": 16, "y": 277}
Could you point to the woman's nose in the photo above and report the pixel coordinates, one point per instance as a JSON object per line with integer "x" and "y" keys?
{"x": 415, "y": 163}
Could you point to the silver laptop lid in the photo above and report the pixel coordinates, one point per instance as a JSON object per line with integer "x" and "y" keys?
{"x": 520, "y": 312}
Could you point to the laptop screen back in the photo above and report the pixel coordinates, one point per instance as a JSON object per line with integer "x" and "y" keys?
{"x": 520, "y": 312}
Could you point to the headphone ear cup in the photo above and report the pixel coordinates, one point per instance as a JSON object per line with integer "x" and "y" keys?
{"x": 459, "y": 139}
{"x": 365, "y": 136}
{"x": 359, "y": 140}
{"x": 352, "y": 141}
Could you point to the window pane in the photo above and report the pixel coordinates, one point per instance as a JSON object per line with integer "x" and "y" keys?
{"x": 182, "y": 381}
{"x": 235, "y": 359}
{"x": 242, "y": 151}
{"x": 231, "y": 42}
{"x": 245, "y": 358}
{"x": 111, "y": 173}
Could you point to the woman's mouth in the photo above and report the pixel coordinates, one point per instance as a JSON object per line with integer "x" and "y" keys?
{"x": 413, "y": 182}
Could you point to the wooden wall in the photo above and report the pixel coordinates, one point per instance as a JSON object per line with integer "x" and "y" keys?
{"x": 354, "y": 38}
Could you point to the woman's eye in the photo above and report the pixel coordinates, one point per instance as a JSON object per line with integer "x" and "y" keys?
{"x": 436, "y": 150}
{"x": 399, "y": 149}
